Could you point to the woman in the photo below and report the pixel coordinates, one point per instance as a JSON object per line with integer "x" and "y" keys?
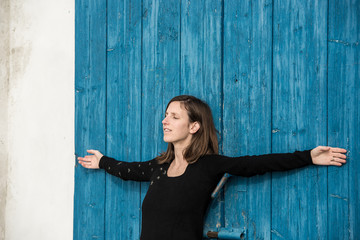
{"x": 182, "y": 178}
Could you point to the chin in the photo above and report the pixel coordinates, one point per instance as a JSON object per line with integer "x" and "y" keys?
{"x": 169, "y": 140}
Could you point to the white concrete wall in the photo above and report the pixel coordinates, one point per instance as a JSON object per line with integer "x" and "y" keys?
{"x": 4, "y": 78}
{"x": 40, "y": 132}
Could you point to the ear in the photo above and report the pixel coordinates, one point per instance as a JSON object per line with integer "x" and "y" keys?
{"x": 194, "y": 127}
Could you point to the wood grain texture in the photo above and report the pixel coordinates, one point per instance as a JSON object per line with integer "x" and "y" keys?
{"x": 299, "y": 199}
{"x": 160, "y": 72}
{"x": 123, "y": 115}
{"x": 247, "y": 111}
{"x": 343, "y": 109}
{"x": 90, "y": 114}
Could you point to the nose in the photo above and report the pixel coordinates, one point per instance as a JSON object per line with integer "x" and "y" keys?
{"x": 164, "y": 121}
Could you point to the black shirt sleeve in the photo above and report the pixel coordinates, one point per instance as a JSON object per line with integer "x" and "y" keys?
{"x": 248, "y": 166}
{"x": 136, "y": 171}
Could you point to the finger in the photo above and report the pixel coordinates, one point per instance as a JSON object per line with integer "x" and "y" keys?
{"x": 338, "y": 150}
{"x": 339, "y": 160}
{"x": 324, "y": 148}
{"x": 86, "y": 158}
{"x": 85, "y": 164}
{"x": 339, "y": 155}
{"x": 92, "y": 151}
{"x": 334, "y": 163}
{"x": 81, "y": 163}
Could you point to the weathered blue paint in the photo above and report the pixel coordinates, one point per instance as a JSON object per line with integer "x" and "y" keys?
{"x": 344, "y": 117}
{"x": 279, "y": 76}
{"x": 299, "y": 117}
{"x": 90, "y": 115}
{"x": 247, "y": 111}
{"x": 123, "y": 137}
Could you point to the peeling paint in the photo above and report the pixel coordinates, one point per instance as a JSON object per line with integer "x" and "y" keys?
{"x": 254, "y": 228}
{"x": 244, "y": 215}
{"x": 276, "y": 233}
{"x": 344, "y": 42}
{"x": 339, "y": 197}
{"x": 275, "y": 130}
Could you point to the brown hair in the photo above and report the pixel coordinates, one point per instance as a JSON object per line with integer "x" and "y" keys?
{"x": 204, "y": 141}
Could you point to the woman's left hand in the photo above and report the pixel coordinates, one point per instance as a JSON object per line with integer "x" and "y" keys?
{"x": 324, "y": 155}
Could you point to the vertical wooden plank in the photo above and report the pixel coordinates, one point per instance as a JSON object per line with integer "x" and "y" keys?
{"x": 299, "y": 115}
{"x": 344, "y": 117}
{"x": 247, "y": 110}
{"x": 201, "y": 26}
{"x": 160, "y": 81}
{"x": 160, "y": 72}
{"x": 122, "y": 212}
{"x": 90, "y": 96}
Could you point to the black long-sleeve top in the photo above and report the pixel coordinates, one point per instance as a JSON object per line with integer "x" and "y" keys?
{"x": 174, "y": 207}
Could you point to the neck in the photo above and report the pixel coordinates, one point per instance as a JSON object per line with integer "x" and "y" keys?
{"x": 179, "y": 148}
{"x": 179, "y": 156}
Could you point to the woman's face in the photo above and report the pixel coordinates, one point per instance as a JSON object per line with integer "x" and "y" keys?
{"x": 176, "y": 125}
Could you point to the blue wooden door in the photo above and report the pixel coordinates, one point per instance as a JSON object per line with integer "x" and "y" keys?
{"x": 279, "y": 76}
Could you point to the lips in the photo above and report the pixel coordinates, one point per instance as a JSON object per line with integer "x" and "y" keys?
{"x": 167, "y": 130}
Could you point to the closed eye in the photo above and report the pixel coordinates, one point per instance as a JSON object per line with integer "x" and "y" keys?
{"x": 173, "y": 116}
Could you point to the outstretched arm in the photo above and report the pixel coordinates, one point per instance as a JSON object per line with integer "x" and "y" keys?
{"x": 324, "y": 155}
{"x": 321, "y": 155}
{"x": 137, "y": 171}
{"x": 248, "y": 166}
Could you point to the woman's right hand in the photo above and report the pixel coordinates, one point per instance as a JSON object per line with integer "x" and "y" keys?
{"x": 91, "y": 161}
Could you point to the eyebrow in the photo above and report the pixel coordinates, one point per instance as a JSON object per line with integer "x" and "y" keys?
{"x": 173, "y": 113}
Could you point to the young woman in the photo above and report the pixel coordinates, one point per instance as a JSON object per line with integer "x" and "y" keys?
{"x": 183, "y": 178}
